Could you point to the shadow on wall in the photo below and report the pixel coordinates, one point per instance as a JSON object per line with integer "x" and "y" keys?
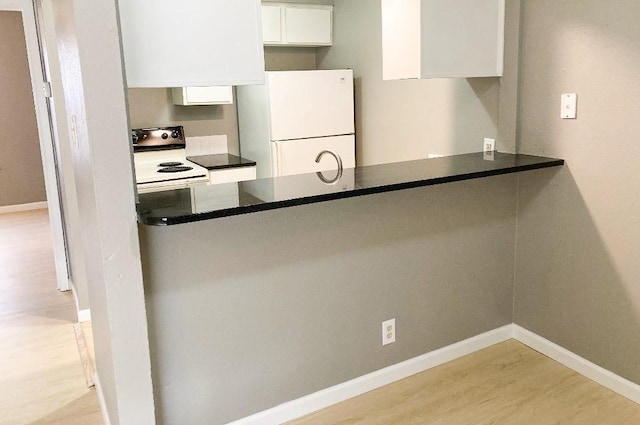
{"x": 480, "y": 110}
{"x": 423, "y": 214}
{"x": 565, "y": 274}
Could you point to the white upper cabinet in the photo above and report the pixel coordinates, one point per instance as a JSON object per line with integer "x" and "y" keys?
{"x": 294, "y": 24}
{"x": 183, "y": 43}
{"x": 214, "y": 95}
{"x": 308, "y": 25}
{"x": 442, "y": 38}
{"x": 271, "y": 24}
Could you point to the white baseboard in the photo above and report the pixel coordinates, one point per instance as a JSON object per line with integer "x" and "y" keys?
{"x": 327, "y": 397}
{"x": 84, "y": 315}
{"x": 330, "y": 396}
{"x": 584, "y": 367}
{"x": 23, "y": 207}
{"x": 101, "y": 401}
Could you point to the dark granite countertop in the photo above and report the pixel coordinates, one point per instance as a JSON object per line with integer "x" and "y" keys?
{"x": 206, "y": 202}
{"x": 221, "y": 161}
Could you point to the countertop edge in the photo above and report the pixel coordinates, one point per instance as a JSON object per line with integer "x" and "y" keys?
{"x": 248, "y": 209}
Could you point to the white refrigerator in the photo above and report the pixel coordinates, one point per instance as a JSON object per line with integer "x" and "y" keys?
{"x": 285, "y": 123}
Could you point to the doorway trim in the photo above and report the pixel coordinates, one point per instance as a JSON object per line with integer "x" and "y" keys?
{"x": 26, "y": 7}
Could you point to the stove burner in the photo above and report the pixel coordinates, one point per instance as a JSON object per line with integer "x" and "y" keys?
{"x": 174, "y": 169}
{"x": 169, "y": 164}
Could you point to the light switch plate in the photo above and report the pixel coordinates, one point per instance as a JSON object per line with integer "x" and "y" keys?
{"x": 568, "y": 106}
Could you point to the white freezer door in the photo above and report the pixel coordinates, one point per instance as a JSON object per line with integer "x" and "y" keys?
{"x": 306, "y": 104}
{"x": 299, "y": 156}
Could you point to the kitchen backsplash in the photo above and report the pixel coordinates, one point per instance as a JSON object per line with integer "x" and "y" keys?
{"x": 206, "y": 145}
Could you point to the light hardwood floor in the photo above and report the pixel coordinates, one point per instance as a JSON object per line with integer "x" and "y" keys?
{"x": 41, "y": 376}
{"x": 506, "y": 384}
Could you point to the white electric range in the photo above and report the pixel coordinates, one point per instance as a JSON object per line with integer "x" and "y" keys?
{"x": 160, "y": 160}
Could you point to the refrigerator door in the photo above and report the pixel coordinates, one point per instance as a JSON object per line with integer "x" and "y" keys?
{"x": 299, "y": 156}
{"x": 306, "y": 104}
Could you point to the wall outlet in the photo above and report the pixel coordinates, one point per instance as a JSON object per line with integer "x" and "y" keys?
{"x": 489, "y": 145}
{"x": 388, "y": 331}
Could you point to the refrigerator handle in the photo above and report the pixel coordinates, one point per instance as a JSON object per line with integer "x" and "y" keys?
{"x": 338, "y": 160}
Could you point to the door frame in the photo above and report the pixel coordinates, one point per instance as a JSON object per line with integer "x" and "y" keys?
{"x": 26, "y": 7}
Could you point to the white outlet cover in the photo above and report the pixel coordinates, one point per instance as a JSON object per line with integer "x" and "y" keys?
{"x": 568, "y": 106}
{"x": 489, "y": 145}
{"x": 388, "y": 331}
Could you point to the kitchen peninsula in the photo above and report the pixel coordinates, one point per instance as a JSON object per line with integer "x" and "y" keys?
{"x": 256, "y": 309}
{"x": 185, "y": 205}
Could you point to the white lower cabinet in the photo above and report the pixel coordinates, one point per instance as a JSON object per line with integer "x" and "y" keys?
{"x": 208, "y": 198}
{"x": 230, "y": 175}
{"x": 294, "y": 24}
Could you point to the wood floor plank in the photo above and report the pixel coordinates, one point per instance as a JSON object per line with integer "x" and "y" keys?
{"x": 41, "y": 376}
{"x": 506, "y": 384}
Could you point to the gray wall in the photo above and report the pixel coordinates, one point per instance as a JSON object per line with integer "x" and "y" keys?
{"x": 153, "y": 107}
{"x": 403, "y": 120}
{"x": 578, "y": 257}
{"x": 289, "y": 58}
{"x": 21, "y": 175}
{"x": 260, "y": 309}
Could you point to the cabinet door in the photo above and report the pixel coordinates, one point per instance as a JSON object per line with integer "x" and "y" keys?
{"x": 191, "y": 42}
{"x": 271, "y": 24}
{"x": 308, "y": 25}
{"x": 231, "y": 175}
{"x": 400, "y": 39}
{"x": 208, "y": 95}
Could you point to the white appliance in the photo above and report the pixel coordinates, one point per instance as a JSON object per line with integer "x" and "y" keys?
{"x": 296, "y": 115}
{"x": 160, "y": 161}
{"x": 150, "y": 176}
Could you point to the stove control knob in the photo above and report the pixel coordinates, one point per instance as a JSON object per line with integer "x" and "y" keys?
{"x": 175, "y": 134}
{"x": 164, "y": 136}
